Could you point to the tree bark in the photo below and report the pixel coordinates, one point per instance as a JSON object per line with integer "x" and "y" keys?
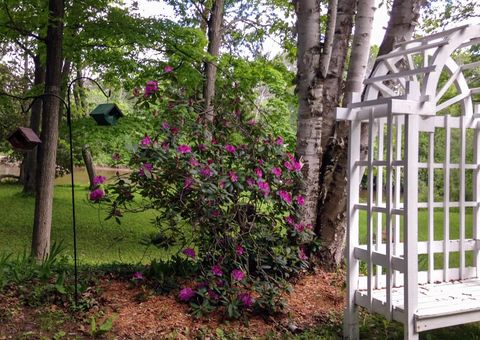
{"x": 214, "y": 42}
{"x": 30, "y": 172}
{"x": 79, "y": 90}
{"x": 88, "y": 160}
{"x": 48, "y": 149}
{"x": 309, "y": 92}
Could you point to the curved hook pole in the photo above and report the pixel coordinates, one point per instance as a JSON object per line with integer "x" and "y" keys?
{"x": 107, "y": 95}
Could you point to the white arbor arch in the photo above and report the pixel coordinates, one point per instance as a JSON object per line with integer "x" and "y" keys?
{"x": 413, "y": 241}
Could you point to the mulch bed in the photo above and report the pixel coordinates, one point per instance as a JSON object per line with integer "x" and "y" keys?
{"x": 139, "y": 315}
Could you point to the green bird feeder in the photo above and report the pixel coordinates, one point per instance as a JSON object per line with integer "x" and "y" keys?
{"x": 106, "y": 114}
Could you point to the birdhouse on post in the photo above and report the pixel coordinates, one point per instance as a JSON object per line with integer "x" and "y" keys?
{"x": 24, "y": 139}
{"x": 106, "y": 114}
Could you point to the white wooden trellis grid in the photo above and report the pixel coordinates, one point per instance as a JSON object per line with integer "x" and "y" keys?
{"x": 421, "y": 272}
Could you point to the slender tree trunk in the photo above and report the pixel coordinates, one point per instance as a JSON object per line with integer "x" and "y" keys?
{"x": 48, "y": 149}
{"x": 214, "y": 42}
{"x": 31, "y": 160}
{"x": 88, "y": 160}
{"x": 79, "y": 90}
{"x": 309, "y": 92}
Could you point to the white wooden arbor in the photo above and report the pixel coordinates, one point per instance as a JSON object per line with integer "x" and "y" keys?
{"x": 417, "y": 260}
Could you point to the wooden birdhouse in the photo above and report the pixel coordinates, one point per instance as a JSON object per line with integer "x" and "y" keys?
{"x": 106, "y": 114}
{"x": 24, "y": 139}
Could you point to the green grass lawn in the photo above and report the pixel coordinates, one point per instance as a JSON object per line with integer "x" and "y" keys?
{"x": 99, "y": 241}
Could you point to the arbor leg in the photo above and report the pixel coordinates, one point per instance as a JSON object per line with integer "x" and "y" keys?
{"x": 350, "y": 323}
{"x": 409, "y": 331}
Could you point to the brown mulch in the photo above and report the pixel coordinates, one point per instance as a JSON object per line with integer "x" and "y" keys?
{"x": 140, "y": 315}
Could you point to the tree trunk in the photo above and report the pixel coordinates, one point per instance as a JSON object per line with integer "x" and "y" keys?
{"x": 48, "y": 149}
{"x": 79, "y": 90}
{"x": 214, "y": 42}
{"x": 88, "y": 160}
{"x": 30, "y": 172}
{"x": 332, "y": 218}
{"x": 309, "y": 92}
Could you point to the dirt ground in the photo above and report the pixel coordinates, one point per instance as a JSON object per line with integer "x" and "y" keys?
{"x": 140, "y": 315}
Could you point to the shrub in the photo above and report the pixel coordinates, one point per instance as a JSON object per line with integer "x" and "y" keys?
{"x": 226, "y": 197}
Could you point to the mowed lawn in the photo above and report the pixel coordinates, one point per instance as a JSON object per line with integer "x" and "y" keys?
{"x": 99, "y": 241}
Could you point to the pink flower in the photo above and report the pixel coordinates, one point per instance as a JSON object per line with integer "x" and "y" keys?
{"x": 288, "y": 165}
{"x": 238, "y": 275}
{"x": 246, "y": 299}
{"x": 150, "y": 88}
{"x": 168, "y": 69}
{"x": 147, "y": 166}
{"x": 300, "y": 200}
{"x": 259, "y": 172}
{"x": 289, "y": 220}
{"x": 250, "y": 181}
{"x": 277, "y": 172}
{"x": 174, "y": 130}
{"x": 264, "y": 187}
{"x": 261, "y": 161}
{"x": 301, "y": 254}
{"x": 96, "y": 195}
{"x": 97, "y": 180}
{"x": 138, "y": 276}
{"x": 146, "y": 141}
{"x": 187, "y": 183}
{"x": 233, "y": 176}
{"x": 189, "y": 252}
{"x": 216, "y": 213}
{"x": 193, "y": 162}
{"x": 221, "y": 184}
{"x": 186, "y": 294}
{"x": 230, "y": 148}
{"x": 206, "y": 172}
{"x": 184, "y": 149}
{"x": 165, "y": 125}
{"x": 239, "y": 250}
{"x": 202, "y": 147}
{"x": 285, "y": 195}
{"x": 299, "y": 227}
{"x": 279, "y": 141}
{"x": 165, "y": 145}
{"x": 214, "y": 140}
{"x": 217, "y": 270}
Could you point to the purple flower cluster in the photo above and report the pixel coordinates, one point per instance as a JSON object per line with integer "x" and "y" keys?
{"x": 190, "y": 252}
{"x": 186, "y": 294}
{"x": 151, "y": 88}
{"x": 97, "y": 180}
{"x": 245, "y": 299}
{"x": 96, "y": 195}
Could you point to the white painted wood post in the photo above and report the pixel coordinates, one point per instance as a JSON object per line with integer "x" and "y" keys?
{"x": 411, "y": 226}
{"x": 351, "y": 329}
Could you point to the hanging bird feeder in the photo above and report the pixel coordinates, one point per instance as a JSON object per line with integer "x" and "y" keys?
{"x": 106, "y": 114}
{"x": 24, "y": 139}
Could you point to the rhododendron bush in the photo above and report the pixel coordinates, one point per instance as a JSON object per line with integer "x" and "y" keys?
{"x": 226, "y": 197}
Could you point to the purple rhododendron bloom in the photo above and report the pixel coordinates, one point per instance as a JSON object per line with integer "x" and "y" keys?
{"x": 220, "y": 283}
{"x": 250, "y": 181}
{"x": 239, "y": 250}
{"x": 221, "y": 184}
{"x": 190, "y": 252}
{"x": 187, "y": 183}
{"x": 96, "y": 195}
{"x": 238, "y": 275}
{"x": 146, "y": 166}
{"x": 246, "y": 299}
{"x": 299, "y": 227}
{"x": 174, "y": 130}
{"x": 193, "y": 162}
{"x": 168, "y": 69}
{"x": 259, "y": 172}
{"x": 212, "y": 295}
{"x": 264, "y": 187}
{"x": 146, "y": 141}
{"x": 138, "y": 276}
{"x": 97, "y": 180}
{"x": 230, "y": 148}
{"x": 206, "y": 172}
{"x": 186, "y": 294}
{"x": 183, "y": 148}
{"x": 301, "y": 254}
{"x": 289, "y": 220}
{"x": 285, "y": 195}
{"x": 217, "y": 270}
{"x": 233, "y": 176}
{"x": 279, "y": 141}
{"x": 277, "y": 172}
{"x": 300, "y": 200}
{"x": 288, "y": 165}
{"x": 261, "y": 161}
{"x": 151, "y": 88}
{"x": 165, "y": 125}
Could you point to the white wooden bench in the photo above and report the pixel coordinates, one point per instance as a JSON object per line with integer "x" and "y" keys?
{"x": 393, "y": 271}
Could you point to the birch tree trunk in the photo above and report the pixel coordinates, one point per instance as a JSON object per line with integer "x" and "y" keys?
{"x": 309, "y": 103}
{"x": 48, "y": 149}
{"x": 331, "y": 223}
{"x": 214, "y": 42}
